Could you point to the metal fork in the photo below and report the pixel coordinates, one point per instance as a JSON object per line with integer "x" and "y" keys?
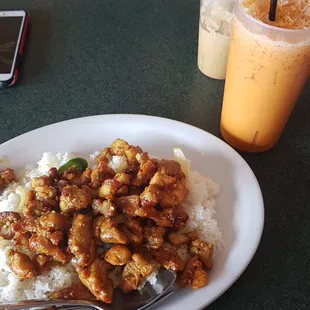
{"x": 136, "y": 300}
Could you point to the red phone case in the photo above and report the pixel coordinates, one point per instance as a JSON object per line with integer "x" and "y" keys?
{"x": 16, "y": 71}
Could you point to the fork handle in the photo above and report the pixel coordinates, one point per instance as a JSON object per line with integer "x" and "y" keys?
{"x": 71, "y": 308}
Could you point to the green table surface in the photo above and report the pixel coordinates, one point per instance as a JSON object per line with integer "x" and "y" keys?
{"x": 89, "y": 57}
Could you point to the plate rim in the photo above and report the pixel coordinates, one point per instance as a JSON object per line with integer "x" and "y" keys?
{"x": 260, "y": 229}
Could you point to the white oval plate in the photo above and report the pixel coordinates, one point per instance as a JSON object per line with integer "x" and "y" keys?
{"x": 240, "y": 208}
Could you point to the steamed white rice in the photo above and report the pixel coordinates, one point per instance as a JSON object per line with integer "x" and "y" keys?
{"x": 200, "y": 206}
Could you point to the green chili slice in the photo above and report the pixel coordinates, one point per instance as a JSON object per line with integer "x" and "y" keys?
{"x": 78, "y": 164}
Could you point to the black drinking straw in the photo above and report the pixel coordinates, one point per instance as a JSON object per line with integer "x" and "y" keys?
{"x": 273, "y": 10}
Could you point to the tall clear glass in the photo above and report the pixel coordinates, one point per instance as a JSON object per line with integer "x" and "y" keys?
{"x": 214, "y": 37}
{"x": 267, "y": 69}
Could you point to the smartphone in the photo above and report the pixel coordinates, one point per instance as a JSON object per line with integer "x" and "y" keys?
{"x": 13, "y": 30}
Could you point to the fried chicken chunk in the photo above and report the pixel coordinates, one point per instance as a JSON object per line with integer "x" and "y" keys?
{"x": 167, "y": 197}
{"x": 73, "y": 199}
{"x": 21, "y": 238}
{"x": 76, "y": 292}
{"x": 146, "y": 171}
{"x": 129, "y": 204}
{"x": 41, "y": 181}
{"x": 6, "y": 177}
{"x": 54, "y": 221}
{"x": 6, "y": 221}
{"x": 133, "y": 231}
{"x": 192, "y": 235}
{"x": 162, "y": 180}
{"x": 181, "y": 217}
{"x": 104, "y": 207}
{"x": 109, "y": 188}
{"x": 102, "y": 172}
{"x": 165, "y": 218}
{"x": 119, "y": 146}
{"x": 93, "y": 192}
{"x": 20, "y": 264}
{"x": 168, "y": 257}
{"x": 204, "y": 251}
{"x": 174, "y": 217}
{"x": 96, "y": 278}
{"x": 151, "y": 196}
{"x": 42, "y": 245}
{"x": 45, "y": 192}
{"x": 171, "y": 168}
{"x": 153, "y": 235}
{"x": 167, "y": 186}
{"x": 136, "y": 270}
{"x": 53, "y": 226}
{"x": 80, "y": 242}
{"x": 105, "y": 155}
{"x": 41, "y": 262}
{"x": 174, "y": 196}
{"x": 34, "y": 207}
{"x": 178, "y": 238}
{"x": 118, "y": 255}
{"x": 86, "y": 176}
{"x": 123, "y": 178}
{"x": 193, "y": 275}
{"x": 43, "y": 188}
{"x": 107, "y": 231}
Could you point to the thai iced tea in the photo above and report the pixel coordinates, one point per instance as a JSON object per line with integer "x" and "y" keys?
{"x": 268, "y": 66}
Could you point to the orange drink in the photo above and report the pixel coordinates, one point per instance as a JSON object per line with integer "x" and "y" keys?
{"x": 268, "y": 66}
